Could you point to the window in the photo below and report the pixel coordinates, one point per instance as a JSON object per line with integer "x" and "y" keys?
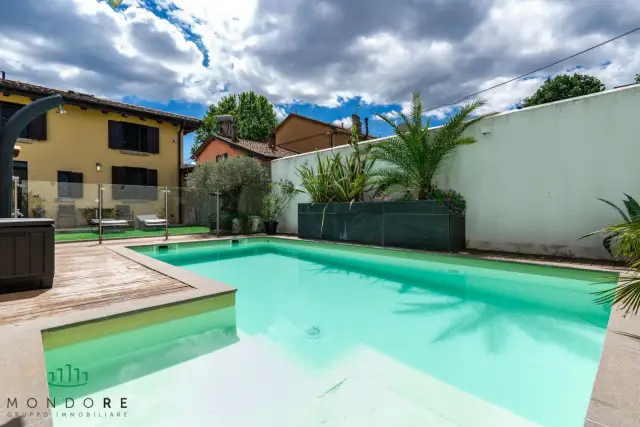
{"x": 218, "y": 157}
{"x": 37, "y": 129}
{"x": 133, "y": 137}
{"x": 134, "y": 183}
{"x": 249, "y": 155}
{"x": 225, "y": 155}
{"x": 221, "y": 157}
{"x": 70, "y": 185}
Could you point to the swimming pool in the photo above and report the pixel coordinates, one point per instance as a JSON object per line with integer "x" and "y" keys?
{"x": 372, "y": 336}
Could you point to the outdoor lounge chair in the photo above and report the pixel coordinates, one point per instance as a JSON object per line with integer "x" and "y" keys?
{"x": 124, "y": 212}
{"x": 109, "y": 223}
{"x": 151, "y": 220}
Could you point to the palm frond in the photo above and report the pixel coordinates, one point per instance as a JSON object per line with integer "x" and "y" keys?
{"x": 626, "y": 295}
{"x": 620, "y": 211}
{"x": 633, "y": 208}
{"x": 419, "y": 152}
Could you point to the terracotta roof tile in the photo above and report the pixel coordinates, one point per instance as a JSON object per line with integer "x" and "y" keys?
{"x": 72, "y": 97}
{"x": 260, "y": 148}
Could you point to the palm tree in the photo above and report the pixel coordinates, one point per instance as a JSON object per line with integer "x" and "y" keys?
{"x": 415, "y": 153}
{"x": 627, "y": 293}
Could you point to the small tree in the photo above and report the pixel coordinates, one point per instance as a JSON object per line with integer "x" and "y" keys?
{"x": 229, "y": 177}
{"x": 253, "y": 115}
{"x": 564, "y": 86}
{"x": 637, "y": 78}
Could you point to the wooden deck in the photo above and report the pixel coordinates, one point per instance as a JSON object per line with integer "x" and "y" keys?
{"x": 88, "y": 275}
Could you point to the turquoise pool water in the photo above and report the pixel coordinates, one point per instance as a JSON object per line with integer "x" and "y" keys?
{"x": 527, "y": 339}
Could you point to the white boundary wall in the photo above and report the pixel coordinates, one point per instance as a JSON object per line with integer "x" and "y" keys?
{"x": 532, "y": 180}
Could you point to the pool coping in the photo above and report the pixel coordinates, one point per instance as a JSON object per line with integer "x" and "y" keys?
{"x": 613, "y": 399}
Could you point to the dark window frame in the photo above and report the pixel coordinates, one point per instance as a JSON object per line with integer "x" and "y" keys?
{"x": 36, "y": 129}
{"x": 131, "y": 183}
{"x": 70, "y": 191}
{"x": 134, "y": 137}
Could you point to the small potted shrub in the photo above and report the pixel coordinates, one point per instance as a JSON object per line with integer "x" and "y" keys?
{"x": 279, "y": 195}
{"x": 36, "y": 202}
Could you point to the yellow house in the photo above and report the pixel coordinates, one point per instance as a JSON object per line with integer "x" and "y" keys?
{"x": 65, "y": 154}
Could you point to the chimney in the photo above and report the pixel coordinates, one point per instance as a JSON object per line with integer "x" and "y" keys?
{"x": 225, "y": 123}
{"x": 366, "y": 126}
{"x": 271, "y": 139}
{"x": 233, "y": 132}
{"x": 356, "y": 121}
{"x": 3, "y": 75}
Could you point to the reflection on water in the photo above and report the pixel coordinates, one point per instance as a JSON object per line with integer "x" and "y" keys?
{"x": 525, "y": 342}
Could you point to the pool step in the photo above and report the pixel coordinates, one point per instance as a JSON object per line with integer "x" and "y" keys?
{"x": 450, "y": 405}
{"x": 362, "y": 402}
{"x": 242, "y": 385}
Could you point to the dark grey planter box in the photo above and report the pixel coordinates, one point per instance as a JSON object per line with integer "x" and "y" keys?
{"x": 420, "y": 224}
{"x": 27, "y": 254}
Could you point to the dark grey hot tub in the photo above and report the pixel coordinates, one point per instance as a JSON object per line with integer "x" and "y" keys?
{"x": 27, "y": 254}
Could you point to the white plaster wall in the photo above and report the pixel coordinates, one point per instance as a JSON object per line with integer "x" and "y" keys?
{"x": 532, "y": 180}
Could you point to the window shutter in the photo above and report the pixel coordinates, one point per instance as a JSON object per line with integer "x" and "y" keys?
{"x": 153, "y": 140}
{"x": 152, "y": 177}
{"x": 37, "y": 129}
{"x": 152, "y": 183}
{"x": 116, "y": 182}
{"x": 63, "y": 184}
{"x": 77, "y": 185}
{"x": 116, "y": 135}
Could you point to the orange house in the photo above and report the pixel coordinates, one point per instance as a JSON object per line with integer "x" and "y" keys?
{"x": 226, "y": 145}
{"x": 302, "y": 134}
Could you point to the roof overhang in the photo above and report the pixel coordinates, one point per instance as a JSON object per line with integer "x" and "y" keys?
{"x": 189, "y": 125}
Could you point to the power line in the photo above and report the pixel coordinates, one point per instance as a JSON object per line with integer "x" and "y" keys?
{"x": 535, "y": 71}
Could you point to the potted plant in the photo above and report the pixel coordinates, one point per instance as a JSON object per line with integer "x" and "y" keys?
{"x": 36, "y": 202}
{"x": 279, "y": 195}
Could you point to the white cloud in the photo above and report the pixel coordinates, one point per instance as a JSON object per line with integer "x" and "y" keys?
{"x": 280, "y": 112}
{"x": 314, "y": 52}
{"x": 345, "y": 122}
{"x": 439, "y": 113}
{"x": 391, "y": 115}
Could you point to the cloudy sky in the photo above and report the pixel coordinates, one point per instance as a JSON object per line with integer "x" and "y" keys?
{"x": 321, "y": 58}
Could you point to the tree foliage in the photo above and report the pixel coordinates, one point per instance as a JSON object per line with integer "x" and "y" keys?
{"x": 564, "y": 86}
{"x": 253, "y": 114}
{"x": 114, "y": 3}
{"x": 229, "y": 177}
{"x": 637, "y": 78}
{"x": 415, "y": 154}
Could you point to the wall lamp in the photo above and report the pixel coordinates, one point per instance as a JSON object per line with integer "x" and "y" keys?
{"x": 98, "y": 167}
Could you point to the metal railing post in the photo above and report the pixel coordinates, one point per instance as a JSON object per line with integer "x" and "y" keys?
{"x": 15, "y": 196}
{"x": 166, "y": 213}
{"x": 99, "y": 213}
{"x": 217, "y": 214}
